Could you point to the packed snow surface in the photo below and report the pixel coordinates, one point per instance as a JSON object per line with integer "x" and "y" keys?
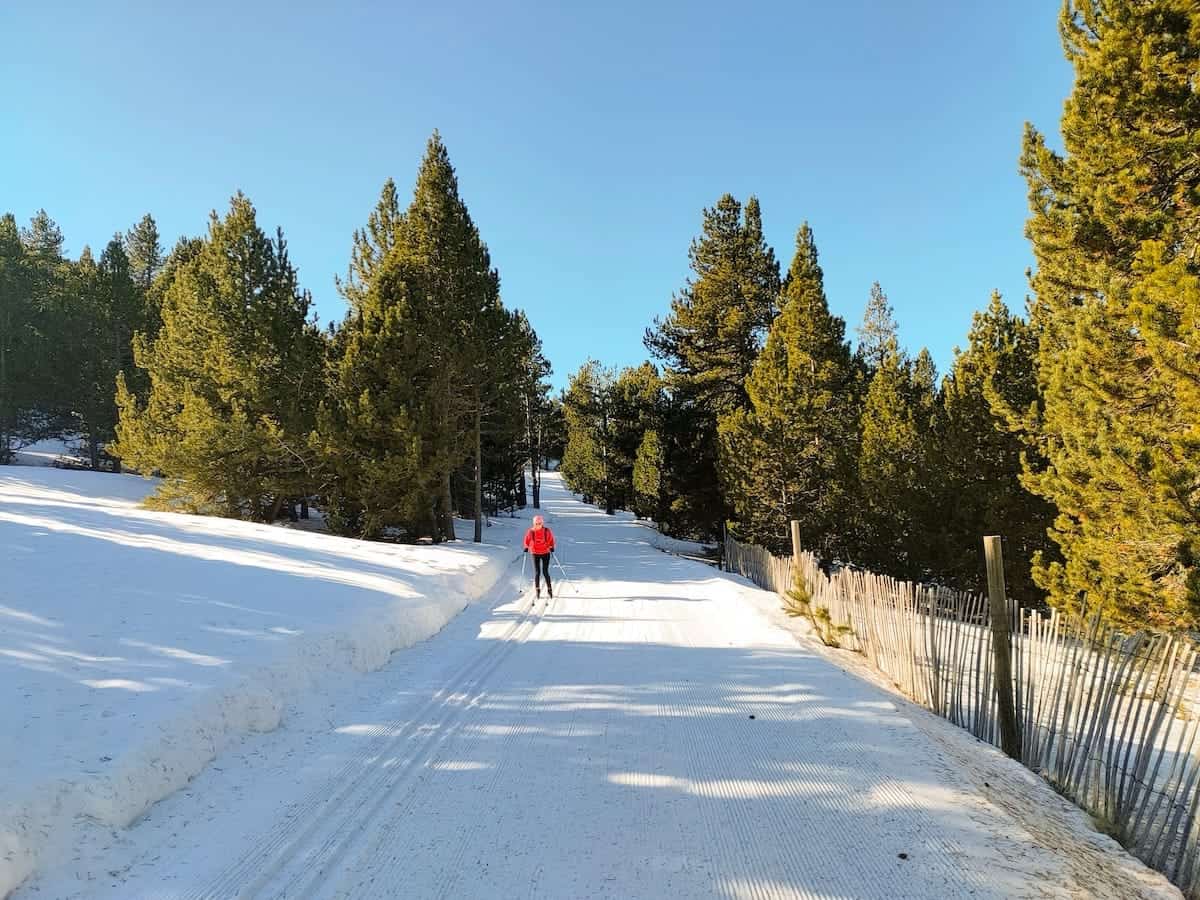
{"x": 135, "y": 645}
{"x": 655, "y": 730}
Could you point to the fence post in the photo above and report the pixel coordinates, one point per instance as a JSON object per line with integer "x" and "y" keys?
{"x": 796, "y": 540}
{"x": 1010, "y": 738}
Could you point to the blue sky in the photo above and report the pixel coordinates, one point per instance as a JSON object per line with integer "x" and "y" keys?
{"x": 587, "y": 138}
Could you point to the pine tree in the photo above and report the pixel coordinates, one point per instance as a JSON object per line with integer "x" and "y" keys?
{"x": 514, "y": 364}
{"x": 587, "y": 459}
{"x": 709, "y": 343}
{"x": 534, "y": 395}
{"x": 426, "y": 366}
{"x": 105, "y": 309}
{"x": 554, "y": 433}
{"x": 877, "y": 331}
{"x": 791, "y": 455}
{"x": 1115, "y": 229}
{"x": 466, "y": 317}
{"x": 649, "y": 499}
{"x": 895, "y": 467}
{"x": 979, "y": 457}
{"x": 636, "y": 406}
{"x": 718, "y": 321}
{"x": 19, "y": 339}
{"x": 52, "y": 353}
{"x": 376, "y": 424}
{"x": 372, "y": 244}
{"x": 144, "y": 251}
{"x": 233, "y": 373}
{"x": 43, "y": 239}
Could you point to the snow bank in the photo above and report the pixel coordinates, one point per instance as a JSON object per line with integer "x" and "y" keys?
{"x": 668, "y": 544}
{"x": 51, "y": 452}
{"x": 663, "y": 542}
{"x": 134, "y": 645}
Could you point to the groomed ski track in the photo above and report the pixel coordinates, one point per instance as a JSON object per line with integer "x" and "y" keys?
{"x": 648, "y": 733}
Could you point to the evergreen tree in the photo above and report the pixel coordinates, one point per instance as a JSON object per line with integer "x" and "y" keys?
{"x": 534, "y": 395}
{"x": 609, "y": 416}
{"x": 877, "y": 331}
{"x": 52, "y": 355}
{"x": 105, "y": 309}
{"x": 979, "y": 457}
{"x": 554, "y": 432}
{"x": 465, "y": 317}
{"x": 648, "y": 496}
{"x": 709, "y": 343}
{"x": 587, "y": 407}
{"x": 1115, "y": 230}
{"x": 513, "y": 364}
{"x": 19, "y": 340}
{"x": 636, "y": 403}
{"x": 791, "y": 454}
{"x": 43, "y": 239}
{"x": 426, "y": 366}
{"x": 233, "y": 376}
{"x": 895, "y": 467}
{"x": 377, "y": 424}
{"x": 144, "y": 250}
{"x": 372, "y": 244}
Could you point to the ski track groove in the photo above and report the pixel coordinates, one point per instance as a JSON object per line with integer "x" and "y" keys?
{"x": 453, "y": 872}
{"x": 383, "y": 869}
{"x": 414, "y": 771}
{"x": 262, "y": 861}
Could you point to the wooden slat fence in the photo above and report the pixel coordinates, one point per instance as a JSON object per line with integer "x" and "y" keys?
{"x": 1109, "y": 719}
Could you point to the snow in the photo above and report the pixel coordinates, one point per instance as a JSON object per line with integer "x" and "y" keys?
{"x": 658, "y": 729}
{"x": 664, "y": 542}
{"x": 676, "y": 546}
{"x": 136, "y": 645}
{"x": 50, "y": 452}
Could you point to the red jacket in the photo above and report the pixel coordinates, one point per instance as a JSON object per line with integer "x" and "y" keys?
{"x": 540, "y": 541}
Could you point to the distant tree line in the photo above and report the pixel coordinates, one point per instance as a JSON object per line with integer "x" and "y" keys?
{"x": 763, "y": 413}
{"x": 206, "y": 366}
{"x": 1073, "y": 430}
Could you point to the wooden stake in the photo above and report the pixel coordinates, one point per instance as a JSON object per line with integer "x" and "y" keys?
{"x": 1010, "y": 738}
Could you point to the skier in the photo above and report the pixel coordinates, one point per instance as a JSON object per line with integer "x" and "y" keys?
{"x": 540, "y": 540}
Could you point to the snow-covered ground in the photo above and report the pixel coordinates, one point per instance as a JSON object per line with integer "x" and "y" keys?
{"x": 656, "y": 730}
{"x": 665, "y": 542}
{"x": 51, "y": 452}
{"x": 135, "y": 645}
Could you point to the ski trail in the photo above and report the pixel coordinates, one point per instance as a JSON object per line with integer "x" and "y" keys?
{"x": 648, "y": 733}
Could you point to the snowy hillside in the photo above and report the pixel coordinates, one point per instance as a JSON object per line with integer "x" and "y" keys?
{"x": 135, "y": 644}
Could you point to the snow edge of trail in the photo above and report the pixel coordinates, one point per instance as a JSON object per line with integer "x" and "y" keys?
{"x": 34, "y": 827}
{"x": 1095, "y": 858}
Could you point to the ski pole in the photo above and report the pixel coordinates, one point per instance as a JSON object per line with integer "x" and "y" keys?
{"x": 565, "y": 579}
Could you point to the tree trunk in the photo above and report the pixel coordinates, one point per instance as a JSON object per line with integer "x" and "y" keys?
{"x": 5, "y": 404}
{"x": 447, "y": 512}
{"x": 537, "y": 478}
{"x": 93, "y": 450}
{"x": 478, "y": 474}
{"x": 303, "y": 506}
{"x": 275, "y": 507}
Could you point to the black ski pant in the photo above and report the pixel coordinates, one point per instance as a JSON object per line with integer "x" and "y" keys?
{"x": 541, "y": 566}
